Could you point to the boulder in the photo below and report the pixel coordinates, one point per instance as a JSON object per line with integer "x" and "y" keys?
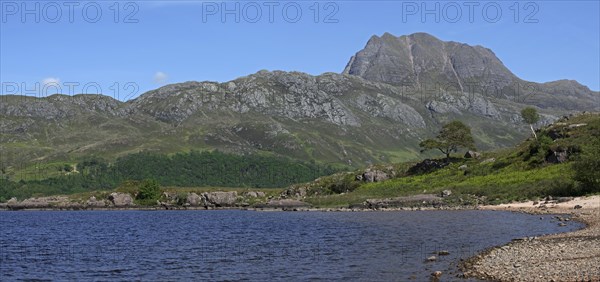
{"x": 463, "y": 167}
{"x": 374, "y": 176}
{"x": 92, "y": 202}
{"x": 220, "y": 199}
{"x": 120, "y": 199}
{"x": 472, "y": 155}
{"x": 490, "y": 160}
{"x": 165, "y": 205}
{"x": 12, "y": 201}
{"x": 577, "y": 207}
{"x": 295, "y": 191}
{"x": 557, "y": 156}
{"x": 255, "y": 194}
{"x": 446, "y": 193}
{"x": 193, "y": 199}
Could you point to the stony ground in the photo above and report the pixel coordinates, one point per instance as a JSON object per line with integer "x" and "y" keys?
{"x": 573, "y": 256}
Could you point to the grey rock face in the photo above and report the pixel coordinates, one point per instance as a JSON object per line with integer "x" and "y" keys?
{"x": 374, "y": 176}
{"x": 193, "y": 199}
{"x": 387, "y": 107}
{"x": 472, "y": 155}
{"x": 220, "y": 199}
{"x": 421, "y": 61}
{"x": 557, "y": 156}
{"x": 41, "y": 203}
{"x": 121, "y": 199}
{"x": 59, "y": 106}
{"x": 292, "y": 95}
{"x": 420, "y": 58}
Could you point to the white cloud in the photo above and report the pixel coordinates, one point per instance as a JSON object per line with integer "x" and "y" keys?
{"x": 51, "y": 81}
{"x": 160, "y": 77}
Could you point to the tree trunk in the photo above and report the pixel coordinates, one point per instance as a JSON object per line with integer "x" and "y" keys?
{"x": 534, "y": 135}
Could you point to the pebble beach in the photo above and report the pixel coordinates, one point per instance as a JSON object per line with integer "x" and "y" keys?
{"x": 573, "y": 256}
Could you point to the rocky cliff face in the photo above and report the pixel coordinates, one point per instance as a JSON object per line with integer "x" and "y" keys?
{"x": 421, "y": 61}
{"x": 392, "y": 94}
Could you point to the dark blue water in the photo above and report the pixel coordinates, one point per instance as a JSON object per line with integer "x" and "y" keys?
{"x": 246, "y": 245}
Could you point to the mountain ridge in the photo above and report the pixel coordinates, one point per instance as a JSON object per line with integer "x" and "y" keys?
{"x": 332, "y": 117}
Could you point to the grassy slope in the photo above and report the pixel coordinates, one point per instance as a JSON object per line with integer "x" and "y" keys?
{"x": 516, "y": 174}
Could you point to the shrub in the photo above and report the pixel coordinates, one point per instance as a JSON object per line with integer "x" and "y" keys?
{"x": 149, "y": 192}
{"x": 587, "y": 168}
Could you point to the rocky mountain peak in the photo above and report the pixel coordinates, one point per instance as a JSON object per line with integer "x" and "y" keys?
{"x": 420, "y": 58}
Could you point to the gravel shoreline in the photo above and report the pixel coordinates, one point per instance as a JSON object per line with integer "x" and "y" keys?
{"x": 573, "y": 256}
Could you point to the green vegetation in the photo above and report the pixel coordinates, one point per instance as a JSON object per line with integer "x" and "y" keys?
{"x": 563, "y": 161}
{"x": 193, "y": 169}
{"x": 529, "y": 171}
{"x": 587, "y": 168}
{"x": 530, "y": 116}
{"x": 452, "y": 136}
{"x": 149, "y": 192}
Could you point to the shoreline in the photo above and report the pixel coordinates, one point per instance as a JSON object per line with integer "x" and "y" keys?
{"x": 568, "y": 256}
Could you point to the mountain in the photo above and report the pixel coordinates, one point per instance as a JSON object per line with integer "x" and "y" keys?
{"x": 387, "y": 99}
{"x": 421, "y": 61}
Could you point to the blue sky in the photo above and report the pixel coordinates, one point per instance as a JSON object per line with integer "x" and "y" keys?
{"x": 152, "y": 43}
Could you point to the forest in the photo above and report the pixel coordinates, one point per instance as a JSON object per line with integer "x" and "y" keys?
{"x": 189, "y": 169}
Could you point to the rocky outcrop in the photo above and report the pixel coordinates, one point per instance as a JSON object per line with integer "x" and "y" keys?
{"x": 426, "y": 166}
{"x": 52, "y": 202}
{"x": 92, "y": 202}
{"x": 120, "y": 199}
{"x": 425, "y": 63}
{"x": 220, "y": 199}
{"x": 193, "y": 199}
{"x": 253, "y": 194}
{"x": 424, "y": 200}
{"x": 557, "y": 156}
{"x": 372, "y": 175}
{"x": 472, "y": 155}
{"x": 416, "y": 58}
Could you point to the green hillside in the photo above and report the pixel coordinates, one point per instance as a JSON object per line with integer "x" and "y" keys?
{"x": 530, "y": 170}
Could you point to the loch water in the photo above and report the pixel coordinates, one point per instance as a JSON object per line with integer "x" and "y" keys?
{"x": 234, "y": 245}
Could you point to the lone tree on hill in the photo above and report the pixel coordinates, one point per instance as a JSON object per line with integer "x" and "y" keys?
{"x": 452, "y": 136}
{"x": 530, "y": 116}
